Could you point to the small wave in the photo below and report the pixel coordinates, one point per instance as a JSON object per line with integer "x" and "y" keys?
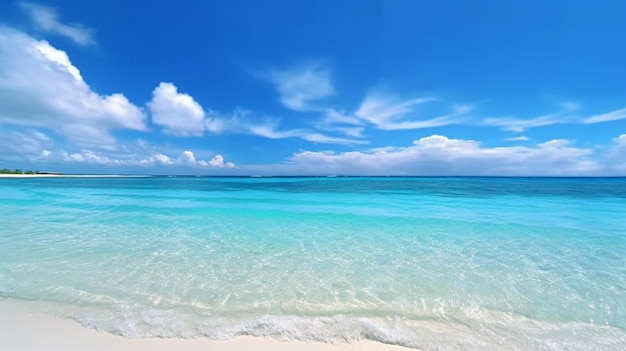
{"x": 425, "y": 334}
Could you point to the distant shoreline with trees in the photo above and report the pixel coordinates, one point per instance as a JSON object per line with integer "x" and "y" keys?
{"x": 17, "y": 171}
{"x": 27, "y": 173}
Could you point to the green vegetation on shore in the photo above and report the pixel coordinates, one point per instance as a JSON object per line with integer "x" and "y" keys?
{"x": 17, "y": 171}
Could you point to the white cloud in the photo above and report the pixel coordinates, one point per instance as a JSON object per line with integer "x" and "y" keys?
{"x": 268, "y": 130}
{"x": 218, "y": 162}
{"x": 383, "y": 111}
{"x": 216, "y": 123}
{"x": 340, "y": 117}
{"x": 188, "y": 157}
{"x": 388, "y": 112}
{"x": 325, "y": 139}
{"x": 89, "y": 156}
{"x": 178, "y": 113}
{"x": 299, "y": 86}
{"x": 86, "y": 156}
{"x": 606, "y": 117}
{"x": 355, "y": 132}
{"x": 46, "y": 19}
{"x": 156, "y": 159}
{"x": 518, "y": 138}
{"x": 18, "y": 145}
{"x": 616, "y": 158}
{"x": 439, "y": 155}
{"x": 339, "y": 121}
{"x": 520, "y": 125}
{"x": 39, "y": 87}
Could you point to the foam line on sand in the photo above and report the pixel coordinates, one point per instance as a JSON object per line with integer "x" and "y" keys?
{"x": 26, "y": 329}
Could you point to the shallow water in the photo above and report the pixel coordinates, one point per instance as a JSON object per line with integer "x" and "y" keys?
{"x": 432, "y": 263}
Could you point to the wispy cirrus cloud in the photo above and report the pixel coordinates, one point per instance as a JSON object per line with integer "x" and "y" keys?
{"x": 520, "y": 125}
{"x": 565, "y": 116}
{"x": 340, "y": 122}
{"x": 606, "y": 117}
{"x": 301, "y": 85}
{"x": 389, "y": 112}
{"x": 518, "y": 138}
{"x": 333, "y": 117}
{"x": 325, "y": 139}
{"x": 47, "y": 19}
{"x": 269, "y": 130}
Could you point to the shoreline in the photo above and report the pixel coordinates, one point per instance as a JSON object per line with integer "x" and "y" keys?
{"x": 25, "y": 328}
{"x": 10, "y": 175}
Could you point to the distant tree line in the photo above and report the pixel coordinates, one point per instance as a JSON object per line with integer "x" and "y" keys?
{"x": 17, "y": 171}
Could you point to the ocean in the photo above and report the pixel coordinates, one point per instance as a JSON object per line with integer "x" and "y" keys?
{"x": 429, "y": 263}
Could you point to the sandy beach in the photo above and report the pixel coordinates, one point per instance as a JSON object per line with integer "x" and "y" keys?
{"x": 25, "y": 328}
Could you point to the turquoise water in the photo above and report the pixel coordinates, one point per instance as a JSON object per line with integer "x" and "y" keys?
{"x": 431, "y": 263}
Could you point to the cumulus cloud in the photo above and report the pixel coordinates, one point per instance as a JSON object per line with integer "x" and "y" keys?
{"x": 47, "y": 19}
{"x": 156, "y": 159}
{"x": 439, "y": 155}
{"x": 189, "y": 159}
{"x": 300, "y": 86}
{"x": 178, "y": 113}
{"x": 218, "y": 162}
{"x": 40, "y": 87}
{"x": 86, "y": 156}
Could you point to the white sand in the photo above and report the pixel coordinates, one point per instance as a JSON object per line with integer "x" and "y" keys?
{"x": 22, "y": 328}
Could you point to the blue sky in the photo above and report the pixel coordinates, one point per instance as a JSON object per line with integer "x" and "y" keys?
{"x": 318, "y": 87}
